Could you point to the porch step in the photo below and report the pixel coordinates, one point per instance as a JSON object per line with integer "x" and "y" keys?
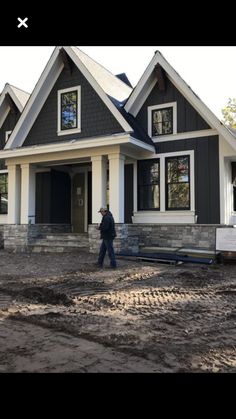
{"x": 56, "y": 249}
{"x": 65, "y": 242}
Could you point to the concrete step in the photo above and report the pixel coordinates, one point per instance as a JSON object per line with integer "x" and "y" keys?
{"x": 59, "y": 243}
{"x": 64, "y": 236}
{"x": 56, "y": 249}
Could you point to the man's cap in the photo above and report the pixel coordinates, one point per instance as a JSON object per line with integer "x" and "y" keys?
{"x": 103, "y": 209}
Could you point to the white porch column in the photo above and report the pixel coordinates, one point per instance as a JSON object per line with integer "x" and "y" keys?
{"x": 99, "y": 186}
{"x": 116, "y": 186}
{"x": 13, "y": 194}
{"x": 27, "y": 194}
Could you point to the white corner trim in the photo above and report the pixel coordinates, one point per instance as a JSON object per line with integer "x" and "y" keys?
{"x": 172, "y": 105}
{"x": 185, "y": 135}
{"x": 73, "y": 130}
{"x": 7, "y": 135}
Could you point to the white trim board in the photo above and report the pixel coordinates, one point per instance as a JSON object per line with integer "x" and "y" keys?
{"x": 185, "y": 135}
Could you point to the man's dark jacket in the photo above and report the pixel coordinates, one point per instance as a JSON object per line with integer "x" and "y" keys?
{"x": 107, "y": 227}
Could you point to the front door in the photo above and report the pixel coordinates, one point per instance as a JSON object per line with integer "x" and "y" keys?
{"x": 78, "y": 203}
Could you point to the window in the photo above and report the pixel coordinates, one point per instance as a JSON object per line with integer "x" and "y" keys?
{"x": 149, "y": 184}
{"x": 69, "y": 111}
{"x": 7, "y": 135}
{"x": 3, "y": 193}
{"x": 177, "y": 183}
{"x": 162, "y": 119}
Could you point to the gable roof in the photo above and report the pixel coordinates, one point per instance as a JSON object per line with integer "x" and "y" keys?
{"x": 18, "y": 96}
{"x": 112, "y": 85}
{"x": 147, "y": 82}
{"x": 104, "y": 83}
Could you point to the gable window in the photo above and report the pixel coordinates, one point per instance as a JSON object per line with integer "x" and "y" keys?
{"x": 69, "y": 111}
{"x": 177, "y": 183}
{"x": 7, "y": 135}
{"x": 149, "y": 184}
{"x": 162, "y": 119}
{"x": 3, "y": 193}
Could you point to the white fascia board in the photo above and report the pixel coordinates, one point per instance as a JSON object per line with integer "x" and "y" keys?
{"x": 142, "y": 82}
{"x": 4, "y": 110}
{"x": 185, "y": 135}
{"x": 15, "y": 99}
{"x": 124, "y": 124}
{"x": 36, "y": 101}
{"x": 142, "y": 145}
{"x": 114, "y": 140}
{"x": 8, "y": 89}
{"x": 180, "y": 84}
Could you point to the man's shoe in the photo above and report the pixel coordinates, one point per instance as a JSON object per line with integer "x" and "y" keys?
{"x": 98, "y": 265}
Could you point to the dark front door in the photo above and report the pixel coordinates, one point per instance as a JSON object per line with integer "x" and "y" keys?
{"x": 129, "y": 193}
{"x": 53, "y": 198}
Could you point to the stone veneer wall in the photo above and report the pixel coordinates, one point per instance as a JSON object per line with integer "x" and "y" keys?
{"x": 18, "y": 237}
{"x": 131, "y": 237}
{"x": 1, "y": 236}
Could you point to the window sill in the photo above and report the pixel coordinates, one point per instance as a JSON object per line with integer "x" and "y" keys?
{"x": 69, "y": 131}
{"x": 165, "y": 217}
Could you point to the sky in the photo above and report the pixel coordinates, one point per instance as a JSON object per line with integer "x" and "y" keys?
{"x": 209, "y": 71}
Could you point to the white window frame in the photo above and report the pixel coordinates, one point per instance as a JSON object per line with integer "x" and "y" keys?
{"x": 73, "y": 130}
{"x": 7, "y": 135}
{"x": 3, "y": 216}
{"x": 163, "y": 215}
{"x": 172, "y": 105}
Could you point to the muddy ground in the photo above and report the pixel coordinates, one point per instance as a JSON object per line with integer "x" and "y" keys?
{"x": 59, "y": 313}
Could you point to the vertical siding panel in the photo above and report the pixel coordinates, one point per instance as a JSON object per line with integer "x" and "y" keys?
{"x": 8, "y": 125}
{"x": 214, "y": 192}
{"x": 187, "y": 117}
{"x": 206, "y": 166}
{"x": 96, "y": 118}
{"x": 202, "y": 182}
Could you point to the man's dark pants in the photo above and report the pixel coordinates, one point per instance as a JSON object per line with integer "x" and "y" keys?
{"x": 107, "y": 245}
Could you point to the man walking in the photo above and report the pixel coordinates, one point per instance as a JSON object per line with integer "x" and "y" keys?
{"x": 108, "y": 233}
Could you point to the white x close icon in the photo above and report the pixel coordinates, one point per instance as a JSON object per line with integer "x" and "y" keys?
{"x": 22, "y": 22}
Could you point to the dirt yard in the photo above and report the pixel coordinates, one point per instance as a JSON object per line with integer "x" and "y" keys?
{"x": 59, "y": 313}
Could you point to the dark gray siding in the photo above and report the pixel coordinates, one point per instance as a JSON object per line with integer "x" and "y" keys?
{"x": 8, "y": 125}
{"x": 206, "y": 152}
{"x": 96, "y": 119}
{"x": 187, "y": 117}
